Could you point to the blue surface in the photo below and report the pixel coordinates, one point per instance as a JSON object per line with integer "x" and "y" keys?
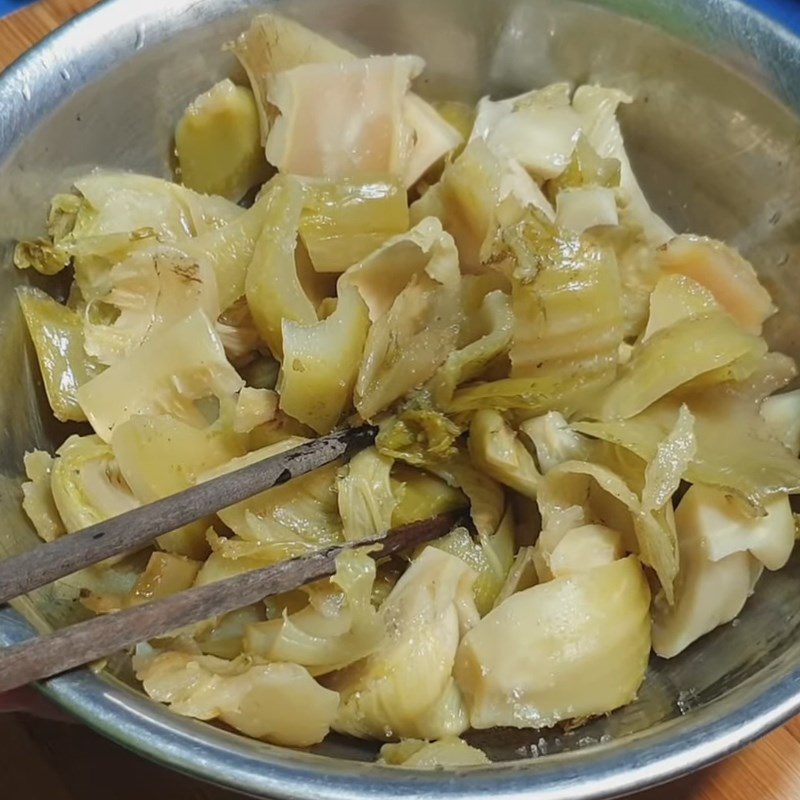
{"x": 787, "y": 12}
{"x": 7, "y": 6}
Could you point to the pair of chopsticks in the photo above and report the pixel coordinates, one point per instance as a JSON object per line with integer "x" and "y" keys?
{"x": 51, "y": 654}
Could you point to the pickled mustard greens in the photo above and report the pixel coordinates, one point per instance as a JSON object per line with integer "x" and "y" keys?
{"x": 490, "y": 287}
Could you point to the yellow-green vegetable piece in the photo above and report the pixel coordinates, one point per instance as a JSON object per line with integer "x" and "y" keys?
{"x": 735, "y": 451}
{"x": 496, "y": 449}
{"x": 321, "y": 362}
{"x": 566, "y": 299}
{"x": 408, "y": 342}
{"x": 166, "y": 375}
{"x": 275, "y": 44}
{"x": 165, "y": 574}
{"x": 159, "y": 456}
{"x": 422, "y": 495}
{"x": 279, "y": 703}
{"x": 231, "y": 248}
{"x": 37, "y": 496}
{"x": 418, "y": 436}
{"x": 218, "y": 142}
{"x": 478, "y": 194}
{"x": 563, "y": 392}
{"x": 406, "y": 688}
{"x": 272, "y": 286}
{"x": 675, "y": 355}
{"x": 284, "y": 521}
{"x": 343, "y": 120}
{"x": 345, "y": 220}
{"x": 493, "y": 321}
{"x": 367, "y": 499}
{"x": 331, "y": 633}
{"x": 57, "y": 334}
{"x": 490, "y": 556}
{"x": 87, "y": 484}
{"x": 580, "y": 648}
{"x": 419, "y": 754}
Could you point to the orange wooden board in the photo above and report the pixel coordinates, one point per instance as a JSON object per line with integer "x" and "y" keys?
{"x": 53, "y": 761}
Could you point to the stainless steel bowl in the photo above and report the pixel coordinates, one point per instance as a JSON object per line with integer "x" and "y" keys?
{"x": 714, "y": 136}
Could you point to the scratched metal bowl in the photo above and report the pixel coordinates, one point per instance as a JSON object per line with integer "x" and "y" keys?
{"x": 714, "y": 135}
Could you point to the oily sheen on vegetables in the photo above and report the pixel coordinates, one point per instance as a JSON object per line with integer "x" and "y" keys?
{"x": 490, "y": 287}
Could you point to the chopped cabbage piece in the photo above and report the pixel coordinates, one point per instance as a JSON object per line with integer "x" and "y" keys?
{"x": 366, "y": 499}
{"x": 720, "y": 269}
{"x": 321, "y": 363}
{"x": 496, "y": 449}
{"x": 566, "y": 297}
{"x": 344, "y": 221}
{"x": 490, "y": 556}
{"x": 279, "y": 703}
{"x": 87, "y": 484}
{"x": 577, "y": 493}
{"x": 735, "y": 451}
{"x": 493, "y": 321}
{"x": 723, "y": 528}
{"x": 406, "y": 344}
{"x": 115, "y": 202}
{"x": 37, "y": 496}
{"x": 674, "y": 356}
{"x": 781, "y": 414}
{"x": 406, "y": 688}
{"x": 486, "y": 497}
{"x": 323, "y": 639}
{"x": 419, "y": 754}
{"x": 218, "y": 142}
{"x": 424, "y": 250}
{"x": 676, "y": 298}
{"x": 275, "y": 44}
{"x": 160, "y": 455}
{"x": 709, "y": 591}
{"x": 418, "y": 436}
{"x": 584, "y": 548}
{"x": 164, "y": 575}
{"x": 43, "y": 255}
{"x": 522, "y": 575}
{"x": 224, "y": 636}
{"x": 597, "y": 108}
{"x": 231, "y": 249}
{"x": 179, "y": 365}
{"x": 287, "y": 520}
{"x": 478, "y": 193}
{"x": 638, "y": 269}
{"x": 57, "y": 334}
{"x": 434, "y": 138}
{"x": 272, "y": 285}
{"x": 152, "y": 288}
{"x": 533, "y": 395}
{"x": 586, "y": 207}
{"x": 539, "y": 129}
{"x": 586, "y": 169}
{"x": 581, "y": 645}
{"x": 344, "y": 120}
{"x": 254, "y": 407}
{"x": 554, "y": 440}
{"x": 421, "y": 495}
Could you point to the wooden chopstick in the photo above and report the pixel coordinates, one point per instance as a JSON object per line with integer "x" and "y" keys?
{"x": 134, "y": 529}
{"x": 49, "y": 655}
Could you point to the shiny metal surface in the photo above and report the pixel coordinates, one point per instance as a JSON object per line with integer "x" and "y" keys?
{"x": 715, "y": 136}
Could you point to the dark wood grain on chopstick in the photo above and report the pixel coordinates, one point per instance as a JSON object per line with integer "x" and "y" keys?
{"x": 134, "y": 529}
{"x": 87, "y": 641}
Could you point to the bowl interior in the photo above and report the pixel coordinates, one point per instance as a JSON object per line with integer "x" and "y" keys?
{"x": 711, "y": 133}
